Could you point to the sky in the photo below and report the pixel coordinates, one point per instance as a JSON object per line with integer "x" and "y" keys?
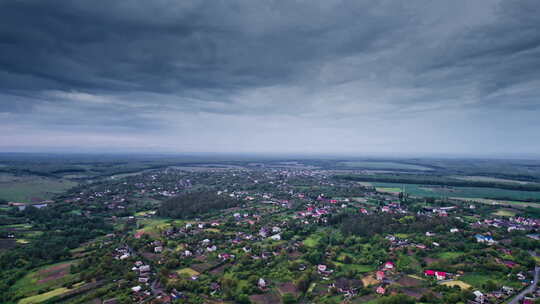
{"x": 347, "y": 77}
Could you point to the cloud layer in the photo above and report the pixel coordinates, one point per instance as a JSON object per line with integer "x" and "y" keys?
{"x": 326, "y": 76}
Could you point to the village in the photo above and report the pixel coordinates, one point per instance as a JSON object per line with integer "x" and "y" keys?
{"x": 298, "y": 236}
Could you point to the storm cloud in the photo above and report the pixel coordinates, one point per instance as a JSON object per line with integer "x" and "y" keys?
{"x": 453, "y": 77}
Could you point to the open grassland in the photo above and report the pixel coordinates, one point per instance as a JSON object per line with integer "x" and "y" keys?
{"x": 461, "y": 192}
{"x": 31, "y": 188}
{"x": 383, "y": 165}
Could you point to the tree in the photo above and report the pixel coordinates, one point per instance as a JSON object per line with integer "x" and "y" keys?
{"x": 288, "y": 299}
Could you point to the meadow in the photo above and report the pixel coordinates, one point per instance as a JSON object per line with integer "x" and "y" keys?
{"x": 28, "y": 188}
{"x": 462, "y": 192}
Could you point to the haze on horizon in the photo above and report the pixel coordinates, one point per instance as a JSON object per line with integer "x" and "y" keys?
{"x": 345, "y": 77}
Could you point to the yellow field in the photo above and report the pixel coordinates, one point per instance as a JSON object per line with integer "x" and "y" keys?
{"x": 188, "y": 271}
{"x": 369, "y": 280}
{"x": 45, "y": 296}
{"x": 502, "y": 212}
{"x": 461, "y": 284}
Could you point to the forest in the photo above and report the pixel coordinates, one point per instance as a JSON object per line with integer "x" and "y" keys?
{"x": 194, "y": 204}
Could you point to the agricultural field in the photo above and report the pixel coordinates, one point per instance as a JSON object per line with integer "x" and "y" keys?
{"x": 43, "y": 280}
{"x": 505, "y": 213}
{"x": 461, "y": 192}
{"x": 490, "y": 179}
{"x": 383, "y": 165}
{"x": 31, "y": 188}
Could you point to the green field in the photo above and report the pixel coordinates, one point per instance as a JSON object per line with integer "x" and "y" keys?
{"x": 381, "y": 165}
{"x": 449, "y": 254}
{"x": 312, "y": 240}
{"x": 463, "y": 192}
{"x": 42, "y": 280}
{"x": 47, "y": 295}
{"x": 505, "y": 213}
{"x": 478, "y": 279}
{"x": 31, "y": 188}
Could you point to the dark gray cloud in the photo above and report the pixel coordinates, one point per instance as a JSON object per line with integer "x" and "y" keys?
{"x": 341, "y": 76}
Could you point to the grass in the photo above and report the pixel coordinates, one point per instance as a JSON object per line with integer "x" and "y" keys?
{"x": 478, "y": 279}
{"x": 461, "y": 284}
{"x": 44, "y": 296}
{"x": 359, "y": 268}
{"x": 312, "y": 241}
{"x": 505, "y": 213}
{"x": 188, "y": 271}
{"x": 449, "y": 254}
{"x": 48, "y": 295}
{"x": 29, "y": 285}
{"x": 459, "y": 192}
{"x": 383, "y": 165}
{"x": 153, "y": 226}
{"x": 31, "y": 188}
{"x": 388, "y": 189}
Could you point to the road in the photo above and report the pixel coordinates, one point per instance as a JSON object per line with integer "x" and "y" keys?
{"x": 521, "y": 295}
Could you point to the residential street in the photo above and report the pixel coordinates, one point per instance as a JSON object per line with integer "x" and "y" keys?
{"x": 517, "y": 299}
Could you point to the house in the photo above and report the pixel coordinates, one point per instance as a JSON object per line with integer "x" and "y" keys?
{"x": 347, "y": 286}
{"x": 144, "y": 268}
{"x": 225, "y": 256}
{"x": 389, "y": 265}
{"x": 380, "y": 290}
{"x": 507, "y": 290}
{"x": 136, "y": 288}
{"x": 439, "y": 275}
{"x": 262, "y": 283}
{"x": 276, "y": 237}
{"x": 510, "y": 264}
{"x": 484, "y": 239}
{"x": 158, "y": 249}
{"x": 479, "y": 296}
{"x": 454, "y": 230}
{"x": 380, "y": 275}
